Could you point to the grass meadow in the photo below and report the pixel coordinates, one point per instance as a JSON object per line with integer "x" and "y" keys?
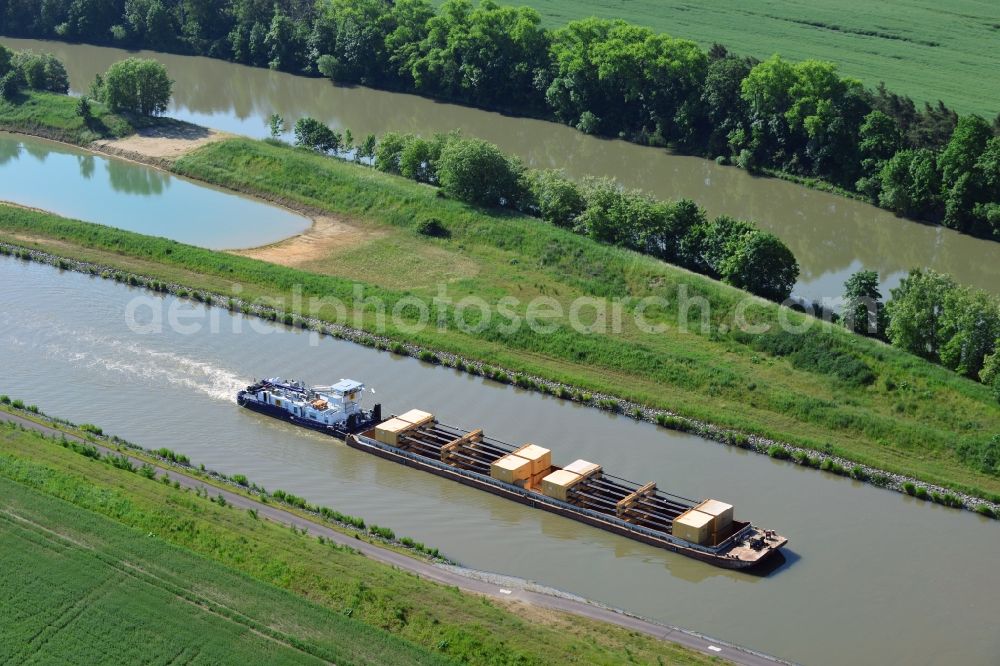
{"x": 927, "y": 50}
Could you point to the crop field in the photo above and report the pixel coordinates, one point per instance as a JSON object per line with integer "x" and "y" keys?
{"x": 925, "y": 49}
{"x": 78, "y": 588}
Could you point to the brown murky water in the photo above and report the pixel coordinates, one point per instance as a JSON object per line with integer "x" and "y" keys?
{"x": 830, "y": 235}
{"x": 871, "y": 576}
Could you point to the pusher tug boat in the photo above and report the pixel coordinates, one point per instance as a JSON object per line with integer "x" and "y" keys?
{"x": 703, "y": 529}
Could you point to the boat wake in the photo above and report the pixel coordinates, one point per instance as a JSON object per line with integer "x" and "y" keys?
{"x": 131, "y": 362}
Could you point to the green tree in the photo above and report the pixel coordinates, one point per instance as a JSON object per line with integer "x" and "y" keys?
{"x": 760, "y": 263}
{"x": 389, "y": 150}
{"x": 880, "y": 139}
{"x": 11, "y": 84}
{"x": 966, "y": 145}
{"x": 283, "y": 43}
{"x": 84, "y": 110}
{"x": 864, "y": 311}
{"x": 490, "y": 54}
{"x": 276, "y": 125}
{"x": 478, "y": 172}
{"x": 419, "y": 157}
{"x": 712, "y": 243}
{"x": 987, "y": 209}
{"x": 6, "y": 55}
{"x": 766, "y": 90}
{"x": 42, "y": 71}
{"x": 969, "y": 327}
{"x": 348, "y": 39}
{"x": 558, "y": 199}
{"x": 311, "y": 133}
{"x": 961, "y": 182}
{"x": 606, "y": 217}
{"x": 990, "y": 373}
{"x": 726, "y": 110}
{"x": 915, "y": 310}
{"x": 910, "y": 184}
{"x": 366, "y": 149}
{"x": 137, "y": 85}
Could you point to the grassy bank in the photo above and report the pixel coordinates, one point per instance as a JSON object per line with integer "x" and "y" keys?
{"x": 921, "y": 49}
{"x": 204, "y": 576}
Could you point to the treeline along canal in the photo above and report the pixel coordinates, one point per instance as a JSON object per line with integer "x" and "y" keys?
{"x": 831, "y": 236}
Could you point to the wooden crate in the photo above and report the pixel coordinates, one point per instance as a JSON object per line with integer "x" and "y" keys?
{"x": 388, "y": 432}
{"x": 558, "y": 483}
{"x": 540, "y": 457}
{"x": 722, "y": 513}
{"x": 693, "y": 526}
{"x": 416, "y": 417}
{"x": 511, "y": 468}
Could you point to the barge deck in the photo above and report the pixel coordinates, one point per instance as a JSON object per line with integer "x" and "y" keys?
{"x": 640, "y": 512}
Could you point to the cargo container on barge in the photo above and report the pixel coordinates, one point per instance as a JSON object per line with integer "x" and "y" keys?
{"x": 582, "y": 490}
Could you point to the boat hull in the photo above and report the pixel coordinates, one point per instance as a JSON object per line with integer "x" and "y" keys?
{"x": 719, "y": 560}
{"x": 339, "y": 431}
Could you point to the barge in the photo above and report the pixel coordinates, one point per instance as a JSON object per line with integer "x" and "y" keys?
{"x": 705, "y": 530}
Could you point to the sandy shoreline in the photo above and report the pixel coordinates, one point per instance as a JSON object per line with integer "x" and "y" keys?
{"x": 159, "y": 147}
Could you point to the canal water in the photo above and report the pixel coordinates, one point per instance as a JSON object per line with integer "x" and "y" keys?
{"x": 870, "y": 576}
{"x": 84, "y": 186}
{"x": 831, "y": 236}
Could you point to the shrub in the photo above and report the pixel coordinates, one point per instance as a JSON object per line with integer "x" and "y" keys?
{"x": 557, "y": 199}
{"x": 433, "y": 227}
{"x": 909, "y": 488}
{"x": 383, "y": 532}
{"x": 241, "y": 480}
{"x": 920, "y": 493}
{"x": 981, "y": 455}
{"x": 778, "y": 452}
{"x": 92, "y": 429}
{"x": 4, "y": 400}
{"x": 478, "y": 172}
{"x": 814, "y": 353}
{"x": 858, "y": 472}
{"x": 121, "y": 461}
{"x": 11, "y": 85}
{"x": 42, "y": 71}
{"x": 880, "y": 479}
{"x": 147, "y": 471}
{"x": 172, "y": 457}
{"x": 314, "y": 135}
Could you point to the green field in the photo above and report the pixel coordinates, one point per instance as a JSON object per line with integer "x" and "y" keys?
{"x": 927, "y": 50}
{"x": 103, "y": 565}
{"x": 79, "y": 588}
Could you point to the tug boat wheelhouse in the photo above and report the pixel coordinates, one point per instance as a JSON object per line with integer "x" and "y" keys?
{"x": 333, "y": 409}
